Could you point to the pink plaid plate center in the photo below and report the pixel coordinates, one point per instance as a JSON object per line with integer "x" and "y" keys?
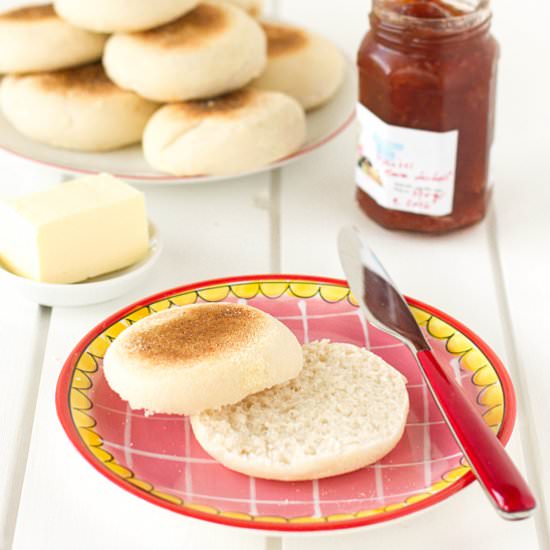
{"x": 163, "y": 451}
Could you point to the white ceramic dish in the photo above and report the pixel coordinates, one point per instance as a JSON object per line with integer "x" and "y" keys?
{"x": 323, "y": 125}
{"x": 93, "y": 291}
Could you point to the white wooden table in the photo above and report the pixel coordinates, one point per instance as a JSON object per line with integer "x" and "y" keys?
{"x": 493, "y": 277}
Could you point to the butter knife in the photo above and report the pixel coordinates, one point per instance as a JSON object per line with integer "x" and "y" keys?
{"x": 385, "y": 308}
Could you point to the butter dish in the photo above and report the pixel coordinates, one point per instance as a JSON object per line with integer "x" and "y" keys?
{"x": 92, "y": 291}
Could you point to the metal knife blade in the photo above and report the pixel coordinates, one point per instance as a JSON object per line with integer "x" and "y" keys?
{"x": 378, "y": 296}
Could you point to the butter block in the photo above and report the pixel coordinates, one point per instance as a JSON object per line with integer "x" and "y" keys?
{"x": 74, "y": 230}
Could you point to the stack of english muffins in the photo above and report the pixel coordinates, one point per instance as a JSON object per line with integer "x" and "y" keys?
{"x": 205, "y": 86}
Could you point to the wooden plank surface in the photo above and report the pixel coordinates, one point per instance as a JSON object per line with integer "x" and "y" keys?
{"x": 19, "y": 323}
{"x": 522, "y": 227}
{"x": 21, "y": 342}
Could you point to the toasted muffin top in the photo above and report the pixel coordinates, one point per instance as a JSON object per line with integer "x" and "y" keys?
{"x": 85, "y": 80}
{"x": 283, "y": 39}
{"x": 190, "y": 334}
{"x": 227, "y": 105}
{"x": 206, "y": 21}
{"x": 29, "y": 13}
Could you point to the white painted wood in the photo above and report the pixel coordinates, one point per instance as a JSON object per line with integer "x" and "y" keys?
{"x": 20, "y": 322}
{"x": 209, "y": 231}
{"x": 522, "y": 212}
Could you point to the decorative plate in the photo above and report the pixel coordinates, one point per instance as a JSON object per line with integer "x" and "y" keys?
{"x": 323, "y": 125}
{"x": 158, "y": 459}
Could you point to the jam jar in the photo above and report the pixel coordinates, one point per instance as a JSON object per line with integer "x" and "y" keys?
{"x": 427, "y": 73}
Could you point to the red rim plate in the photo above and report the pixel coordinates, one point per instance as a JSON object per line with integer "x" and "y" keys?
{"x": 66, "y": 419}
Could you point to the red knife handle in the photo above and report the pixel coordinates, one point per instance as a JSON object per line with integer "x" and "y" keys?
{"x": 491, "y": 464}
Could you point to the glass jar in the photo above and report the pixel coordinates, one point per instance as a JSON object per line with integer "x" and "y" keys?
{"x": 427, "y": 71}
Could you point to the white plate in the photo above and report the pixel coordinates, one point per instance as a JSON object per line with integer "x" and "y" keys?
{"x": 93, "y": 291}
{"x": 323, "y": 125}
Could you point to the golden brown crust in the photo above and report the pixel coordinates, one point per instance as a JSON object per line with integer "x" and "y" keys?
{"x": 86, "y": 80}
{"x": 225, "y": 105}
{"x": 282, "y": 39}
{"x": 194, "y": 333}
{"x": 29, "y": 13}
{"x": 194, "y": 28}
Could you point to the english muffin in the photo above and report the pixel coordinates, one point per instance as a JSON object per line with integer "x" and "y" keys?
{"x": 186, "y": 360}
{"x": 302, "y": 64}
{"x": 345, "y": 410}
{"x": 79, "y": 109}
{"x": 237, "y": 132}
{"x": 122, "y": 15}
{"x": 34, "y": 38}
{"x": 214, "y": 49}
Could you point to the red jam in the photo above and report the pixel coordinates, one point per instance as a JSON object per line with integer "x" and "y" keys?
{"x": 429, "y": 66}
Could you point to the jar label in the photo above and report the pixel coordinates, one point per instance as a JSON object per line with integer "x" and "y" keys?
{"x": 406, "y": 169}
